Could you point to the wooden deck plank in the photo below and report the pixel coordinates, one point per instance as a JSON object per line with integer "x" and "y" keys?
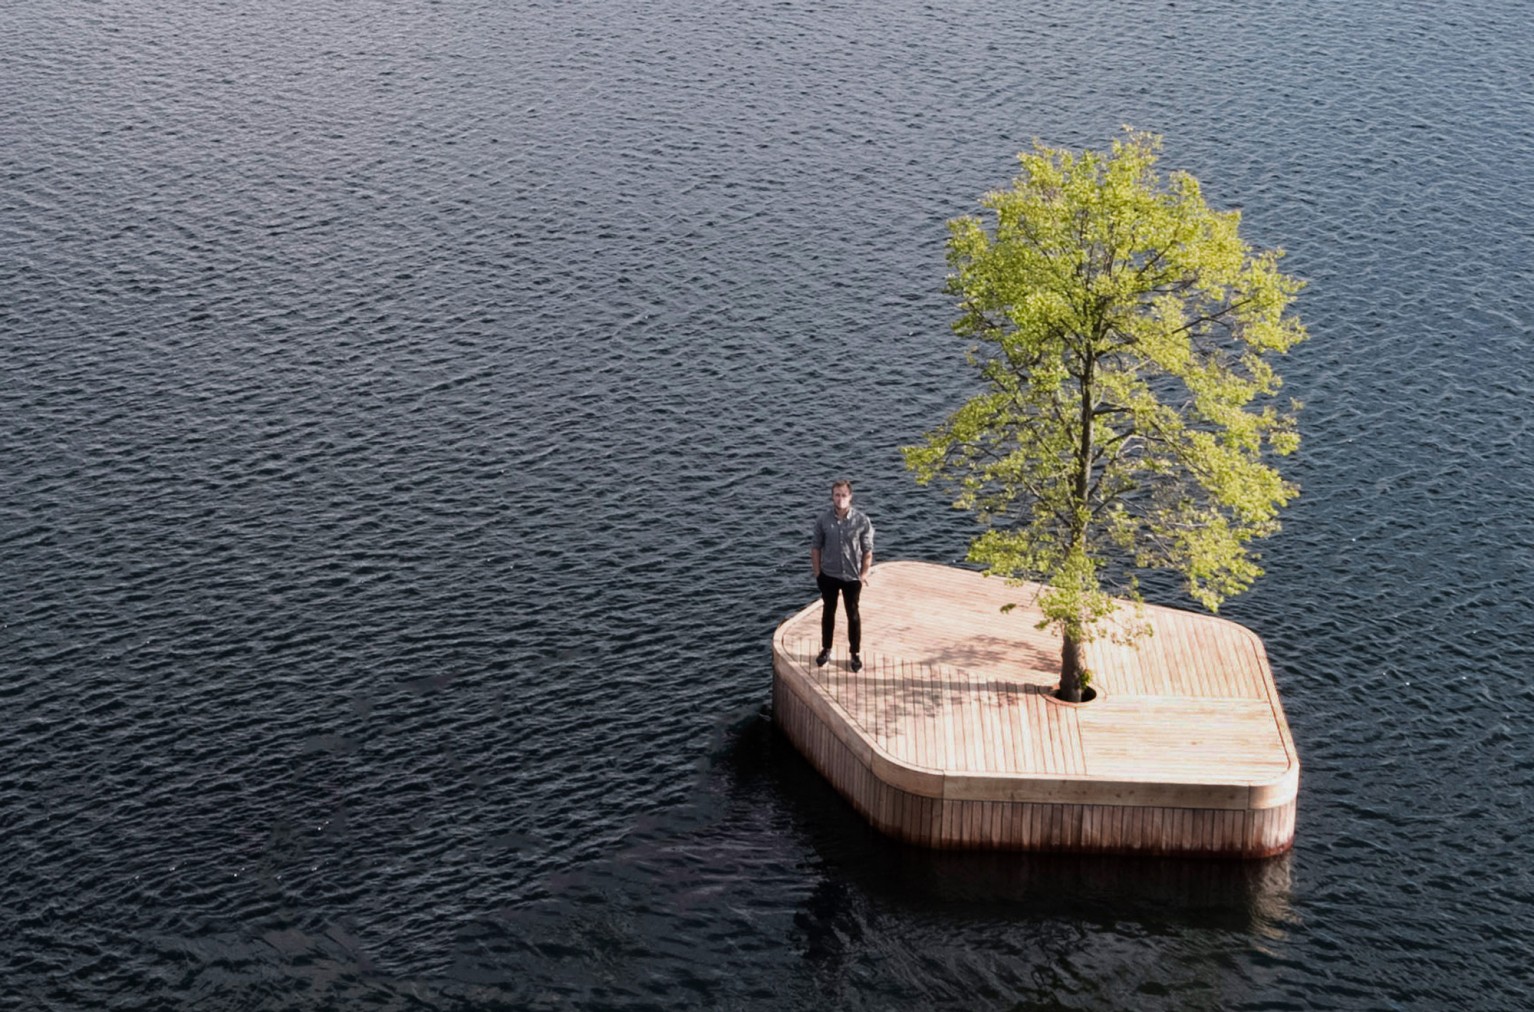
{"x": 974, "y": 723}
{"x": 942, "y": 737}
{"x": 935, "y": 755}
{"x": 990, "y": 706}
{"x": 1244, "y": 651}
{"x": 888, "y": 704}
{"x": 1038, "y": 733}
{"x": 970, "y": 724}
{"x": 1022, "y": 730}
{"x": 1011, "y": 729}
{"x": 1212, "y": 647}
{"x": 1187, "y": 662}
{"x": 1059, "y": 736}
{"x": 909, "y": 695}
{"x": 1225, "y": 680}
{"x": 1073, "y": 742}
{"x": 1153, "y": 660}
{"x": 1185, "y": 679}
{"x": 997, "y": 758}
{"x": 1193, "y": 684}
{"x": 1027, "y": 757}
{"x": 958, "y": 719}
{"x": 948, "y": 740}
{"x": 1059, "y": 759}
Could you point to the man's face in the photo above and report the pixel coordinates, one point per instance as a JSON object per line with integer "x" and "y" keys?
{"x": 841, "y": 498}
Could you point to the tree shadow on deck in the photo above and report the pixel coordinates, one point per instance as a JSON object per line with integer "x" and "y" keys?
{"x": 891, "y": 689}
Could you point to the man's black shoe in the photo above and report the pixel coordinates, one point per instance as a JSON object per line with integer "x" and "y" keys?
{"x": 857, "y": 663}
{"x": 822, "y": 657}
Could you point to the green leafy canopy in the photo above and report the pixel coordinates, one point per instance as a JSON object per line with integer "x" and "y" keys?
{"x": 1124, "y": 334}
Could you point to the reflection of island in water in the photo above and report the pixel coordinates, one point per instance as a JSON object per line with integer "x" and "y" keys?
{"x": 766, "y": 852}
{"x": 1228, "y": 895}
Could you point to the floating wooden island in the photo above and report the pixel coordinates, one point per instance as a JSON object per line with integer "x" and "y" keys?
{"x": 950, "y": 737}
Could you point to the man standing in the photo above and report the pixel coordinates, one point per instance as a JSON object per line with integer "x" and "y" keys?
{"x": 841, "y": 553}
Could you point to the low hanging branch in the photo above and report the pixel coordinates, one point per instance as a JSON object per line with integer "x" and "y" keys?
{"x": 1124, "y": 335}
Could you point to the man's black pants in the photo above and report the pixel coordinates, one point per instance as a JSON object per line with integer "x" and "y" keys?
{"x": 830, "y": 586}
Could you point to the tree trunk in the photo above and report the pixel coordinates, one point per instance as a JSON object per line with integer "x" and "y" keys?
{"x": 1072, "y": 664}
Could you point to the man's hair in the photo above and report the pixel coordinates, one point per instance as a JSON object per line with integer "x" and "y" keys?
{"x": 841, "y": 483}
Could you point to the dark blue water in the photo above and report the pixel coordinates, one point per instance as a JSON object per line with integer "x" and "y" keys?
{"x": 410, "y": 418}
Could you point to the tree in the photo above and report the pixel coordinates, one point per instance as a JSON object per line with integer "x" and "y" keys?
{"x": 1124, "y": 334}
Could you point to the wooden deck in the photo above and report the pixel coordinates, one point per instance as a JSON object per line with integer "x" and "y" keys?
{"x": 950, "y": 736}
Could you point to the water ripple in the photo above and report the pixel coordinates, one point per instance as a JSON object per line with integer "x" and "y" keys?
{"x": 412, "y": 415}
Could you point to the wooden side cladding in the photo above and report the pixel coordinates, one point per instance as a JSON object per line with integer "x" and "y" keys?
{"x": 892, "y": 811}
{"x": 1031, "y": 826}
